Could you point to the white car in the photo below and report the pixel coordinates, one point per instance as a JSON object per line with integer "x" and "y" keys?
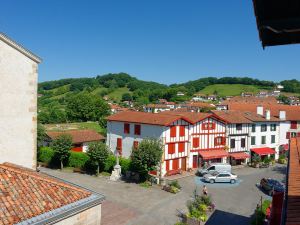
{"x": 220, "y": 177}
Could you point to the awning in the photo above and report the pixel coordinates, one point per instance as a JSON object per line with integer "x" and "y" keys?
{"x": 263, "y": 151}
{"x": 213, "y": 154}
{"x": 239, "y": 155}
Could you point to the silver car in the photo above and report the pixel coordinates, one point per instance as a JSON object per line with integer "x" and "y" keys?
{"x": 221, "y": 177}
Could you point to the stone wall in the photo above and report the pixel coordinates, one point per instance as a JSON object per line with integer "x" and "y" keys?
{"x": 90, "y": 216}
{"x": 18, "y": 107}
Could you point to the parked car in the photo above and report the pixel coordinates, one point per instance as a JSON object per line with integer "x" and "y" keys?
{"x": 220, "y": 177}
{"x": 215, "y": 167}
{"x": 270, "y": 185}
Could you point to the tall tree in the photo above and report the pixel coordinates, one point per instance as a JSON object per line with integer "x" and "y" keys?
{"x": 146, "y": 157}
{"x": 62, "y": 146}
{"x": 98, "y": 153}
{"x": 41, "y": 134}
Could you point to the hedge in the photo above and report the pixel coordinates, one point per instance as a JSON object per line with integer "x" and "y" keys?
{"x": 125, "y": 165}
{"x": 77, "y": 159}
{"x": 45, "y": 154}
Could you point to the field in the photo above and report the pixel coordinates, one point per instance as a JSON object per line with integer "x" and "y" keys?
{"x": 229, "y": 89}
{"x": 76, "y": 126}
{"x": 116, "y": 95}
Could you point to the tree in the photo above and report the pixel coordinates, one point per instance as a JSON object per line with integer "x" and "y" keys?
{"x": 126, "y": 97}
{"x": 86, "y": 107}
{"x": 98, "y": 153}
{"x": 146, "y": 157}
{"x": 41, "y": 134}
{"x": 62, "y": 146}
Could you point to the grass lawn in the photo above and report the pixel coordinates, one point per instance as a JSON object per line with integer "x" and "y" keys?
{"x": 229, "y": 89}
{"x": 76, "y": 126}
{"x": 98, "y": 90}
{"x": 117, "y": 94}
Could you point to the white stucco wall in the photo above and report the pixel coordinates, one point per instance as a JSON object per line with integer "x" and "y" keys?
{"x": 284, "y": 128}
{"x": 90, "y": 216}
{"x": 18, "y": 107}
{"x": 115, "y": 130}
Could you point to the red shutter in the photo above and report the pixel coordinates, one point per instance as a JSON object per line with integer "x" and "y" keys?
{"x": 126, "y": 128}
{"x": 171, "y": 148}
{"x": 204, "y": 126}
{"x": 293, "y": 124}
{"x": 182, "y": 131}
{"x": 223, "y": 140}
{"x": 119, "y": 145}
{"x": 288, "y": 135}
{"x": 181, "y": 147}
{"x": 137, "y": 129}
{"x": 175, "y": 164}
{"x": 135, "y": 144}
{"x": 213, "y": 126}
{"x": 167, "y": 165}
{"x": 298, "y": 134}
{"x": 195, "y": 161}
{"x": 196, "y": 142}
{"x": 173, "y": 131}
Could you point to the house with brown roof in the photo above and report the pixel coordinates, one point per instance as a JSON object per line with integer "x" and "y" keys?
{"x": 80, "y": 138}
{"x": 27, "y": 196}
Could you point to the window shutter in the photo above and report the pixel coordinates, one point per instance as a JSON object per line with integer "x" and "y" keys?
{"x": 171, "y": 148}
{"x": 196, "y": 142}
{"x": 167, "y": 165}
{"x": 216, "y": 141}
{"x": 182, "y": 131}
{"x": 288, "y": 135}
{"x": 223, "y": 140}
{"x": 213, "y": 126}
{"x": 119, "y": 145}
{"x": 126, "y": 128}
{"x": 181, "y": 147}
{"x": 137, "y": 129}
{"x": 173, "y": 131}
{"x": 298, "y": 134}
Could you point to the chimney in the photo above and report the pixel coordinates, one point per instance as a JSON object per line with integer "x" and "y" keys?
{"x": 282, "y": 115}
{"x": 268, "y": 114}
{"x": 260, "y": 110}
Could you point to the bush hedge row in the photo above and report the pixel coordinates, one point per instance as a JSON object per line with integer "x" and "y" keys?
{"x": 81, "y": 160}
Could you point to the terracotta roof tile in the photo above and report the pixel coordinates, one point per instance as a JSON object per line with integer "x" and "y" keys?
{"x": 293, "y": 190}
{"x": 78, "y": 136}
{"x": 25, "y": 193}
{"x": 232, "y": 116}
{"x": 160, "y": 119}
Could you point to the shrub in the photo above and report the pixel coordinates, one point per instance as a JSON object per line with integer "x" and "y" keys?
{"x": 109, "y": 164}
{"x": 266, "y": 160}
{"x": 78, "y": 159}
{"x": 175, "y": 183}
{"x": 45, "y": 154}
{"x": 125, "y": 165}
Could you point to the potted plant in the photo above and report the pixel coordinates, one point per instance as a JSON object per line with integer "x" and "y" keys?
{"x": 255, "y": 160}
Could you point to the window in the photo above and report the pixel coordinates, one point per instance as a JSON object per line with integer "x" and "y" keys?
{"x": 137, "y": 129}
{"x": 126, "y": 128}
{"x": 119, "y": 145}
{"x": 135, "y": 144}
{"x": 223, "y": 175}
{"x": 232, "y": 143}
{"x": 196, "y": 142}
{"x": 263, "y": 140}
{"x": 253, "y": 128}
{"x": 211, "y": 168}
{"x": 273, "y": 127}
{"x": 293, "y": 124}
{"x": 272, "y": 139}
{"x": 182, "y": 131}
{"x": 171, "y": 148}
{"x": 208, "y": 126}
{"x": 243, "y": 143}
{"x": 173, "y": 131}
{"x": 293, "y": 134}
{"x": 239, "y": 126}
{"x": 181, "y": 147}
{"x": 219, "y": 141}
{"x": 253, "y": 140}
{"x": 263, "y": 127}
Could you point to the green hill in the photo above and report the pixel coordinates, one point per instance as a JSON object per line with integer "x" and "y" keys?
{"x": 230, "y": 89}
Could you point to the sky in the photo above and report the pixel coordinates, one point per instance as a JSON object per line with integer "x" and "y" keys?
{"x": 167, "y": 41}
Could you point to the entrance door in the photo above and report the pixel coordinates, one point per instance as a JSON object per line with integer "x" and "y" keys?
{"x": 195, "y": 161}
{"x": 175, "y": 164}
{"x": 183, "y": 163}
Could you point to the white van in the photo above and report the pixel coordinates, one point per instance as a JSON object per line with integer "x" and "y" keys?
{"x": 219, "y": 167}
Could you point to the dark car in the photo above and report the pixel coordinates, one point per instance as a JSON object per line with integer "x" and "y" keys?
{"x": 271, "y": 185}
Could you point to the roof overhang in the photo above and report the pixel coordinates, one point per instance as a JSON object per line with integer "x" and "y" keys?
{"x": 278, "y": 21}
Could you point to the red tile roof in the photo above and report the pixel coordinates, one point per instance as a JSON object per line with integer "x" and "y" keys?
{"x": 293, "y": 190}
{"x": 78, "y": 136}
{"x": 250, "y": 100}
{"x": 232, "y": 116}
{"x": 25, "y": 193}
{"x": 160, "y": 119}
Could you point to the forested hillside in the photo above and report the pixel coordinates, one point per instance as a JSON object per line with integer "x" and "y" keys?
{"x": 58, "y": 97}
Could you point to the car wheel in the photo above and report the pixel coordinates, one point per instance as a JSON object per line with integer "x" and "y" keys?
{"x": 212, "y": 181}
{"x": 232, "y": 181}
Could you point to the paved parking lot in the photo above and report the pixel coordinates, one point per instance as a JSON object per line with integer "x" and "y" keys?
{"x": 130, "y": 204}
